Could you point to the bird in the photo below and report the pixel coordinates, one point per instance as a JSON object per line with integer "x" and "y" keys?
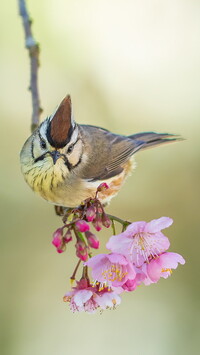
{"x": 65, "y": 162}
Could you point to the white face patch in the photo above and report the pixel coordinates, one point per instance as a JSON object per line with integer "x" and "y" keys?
{"x": 74, "y": 136}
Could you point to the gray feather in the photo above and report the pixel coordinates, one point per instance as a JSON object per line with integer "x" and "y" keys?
{"x": 109, "y": 152}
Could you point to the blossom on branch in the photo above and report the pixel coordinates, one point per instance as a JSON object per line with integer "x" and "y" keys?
{"x": 87, "y": 298}
{"x": 111, "y": 269}
{"x": 162, "y": 265}
{"x": 141, "y": 240}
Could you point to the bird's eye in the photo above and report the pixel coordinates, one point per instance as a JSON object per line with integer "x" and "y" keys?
{"x": 70, "y": 149}
{"x": 43, "y": 144}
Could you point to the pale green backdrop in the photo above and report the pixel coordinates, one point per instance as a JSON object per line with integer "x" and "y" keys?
{"x": 129, "y": 66}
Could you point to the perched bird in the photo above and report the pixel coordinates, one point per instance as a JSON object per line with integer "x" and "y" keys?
{"x": 65, "y": 162}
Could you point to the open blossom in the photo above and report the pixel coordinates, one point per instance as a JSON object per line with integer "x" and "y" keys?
{"x": 162, "y": 265}
{"x": 111, "y": 269}
{"x": 141, "y": 240}
{"x": 86, "y": 298}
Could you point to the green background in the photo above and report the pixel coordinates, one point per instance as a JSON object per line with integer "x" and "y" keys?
{"x": 129, "y": 66}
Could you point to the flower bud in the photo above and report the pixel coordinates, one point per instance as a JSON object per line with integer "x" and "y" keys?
{"x": 92, "y": 240}
{"x": 80, "y": 246}
{"x": 57, "y": 238}
{"x": 81, "y": 250}
{"x": 91, "y": 213}
{"x": 97, "y": 223}
{"x": 67, "y": 236}
{"x": 106, "y": 221}
{"x": 102, "y": 187}
{"x": 82, "y": 226}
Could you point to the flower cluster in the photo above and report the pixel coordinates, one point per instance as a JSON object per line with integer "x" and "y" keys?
{"x": 76, "y": 221}
{"x": 138, "y": 255}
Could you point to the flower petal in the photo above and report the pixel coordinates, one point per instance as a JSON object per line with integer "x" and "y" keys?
{"x": 156, "y": 225}
{"x": 82, "y": 297}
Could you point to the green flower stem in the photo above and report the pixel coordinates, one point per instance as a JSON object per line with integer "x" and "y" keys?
{"x": 113, "y": 227}
{"x": 117, "y": 219}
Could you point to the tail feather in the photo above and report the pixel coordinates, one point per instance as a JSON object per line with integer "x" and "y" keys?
{"x": 146, "y": 140}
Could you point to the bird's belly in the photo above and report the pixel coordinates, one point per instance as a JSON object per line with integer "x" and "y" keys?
{"x": 71, "y": 193}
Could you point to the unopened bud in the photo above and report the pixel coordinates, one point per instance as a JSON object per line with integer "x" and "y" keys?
{"x": 91, "y": 213}
{"x": 81, "y": 250}
{"x": 60, "y": 250}
{"x": 92, "y": 240}
{"x": 80, "y": 245}
{"x": 97, "y": 223}
{"x": 82, "y": 226}
{"x": 102, "y": 187}
{"x": 57, "y": 238}
{"x": 67, "y": 236}
{"x": 106, "y": 221}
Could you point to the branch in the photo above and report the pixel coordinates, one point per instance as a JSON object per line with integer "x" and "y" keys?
{"x": 34, "y": 50}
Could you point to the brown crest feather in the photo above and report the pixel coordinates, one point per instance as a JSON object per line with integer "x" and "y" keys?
{"x": 60, "y": 124}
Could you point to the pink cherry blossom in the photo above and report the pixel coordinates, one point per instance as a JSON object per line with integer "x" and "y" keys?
{"x": 141, "y": 240}
{"x": 111, "y": 269}
{"x": 162, "y": 265}
{"x": 81, "y": 298}
{"x": 86, "y": 298}
{"x": 107, "y": 299}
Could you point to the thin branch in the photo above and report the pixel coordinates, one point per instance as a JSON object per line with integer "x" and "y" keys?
{"x": 34, "y": 50}
{"x": 117, "y": 219}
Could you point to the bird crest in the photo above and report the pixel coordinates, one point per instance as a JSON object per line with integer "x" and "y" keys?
{"x": 60, "y": 126}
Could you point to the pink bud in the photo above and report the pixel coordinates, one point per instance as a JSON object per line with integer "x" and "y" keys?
{"x": 97, "y": 223}
{"x": 102, "y": 187}
{"x": 82, "y": 255}
{"x": 60, "y": 251}
{"x": 80, "y": 246}
{"x": 106, "y": 221}
{"x": 91, "y": 213}
{"x": 82, "y": 226}
{"x": 57, "y": 238}
{"x": 67, "y": 236}
{"x": 92, "y": 240}
{"x": 81, "y": 250}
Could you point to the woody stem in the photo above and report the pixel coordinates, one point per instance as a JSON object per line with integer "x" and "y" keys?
{"x": 72, "y": 278}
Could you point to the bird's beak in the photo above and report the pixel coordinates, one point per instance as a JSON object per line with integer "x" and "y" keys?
{"x": 55, "y": 155}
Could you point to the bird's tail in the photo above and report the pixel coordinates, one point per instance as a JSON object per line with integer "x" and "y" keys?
{"x": 146, "y": 140}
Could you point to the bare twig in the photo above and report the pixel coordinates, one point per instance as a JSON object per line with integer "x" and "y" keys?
{"x": 34, "y": 50}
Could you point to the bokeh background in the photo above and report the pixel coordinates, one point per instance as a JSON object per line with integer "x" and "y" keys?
{"x": 129, "y": 66}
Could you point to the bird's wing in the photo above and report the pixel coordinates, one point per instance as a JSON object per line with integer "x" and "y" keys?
{"x": 109, "y": 152}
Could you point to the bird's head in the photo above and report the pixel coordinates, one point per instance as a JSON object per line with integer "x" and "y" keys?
{"x": 55, "y": 147}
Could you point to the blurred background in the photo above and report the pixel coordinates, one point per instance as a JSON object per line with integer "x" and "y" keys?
{"x": 129, "y": 66}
